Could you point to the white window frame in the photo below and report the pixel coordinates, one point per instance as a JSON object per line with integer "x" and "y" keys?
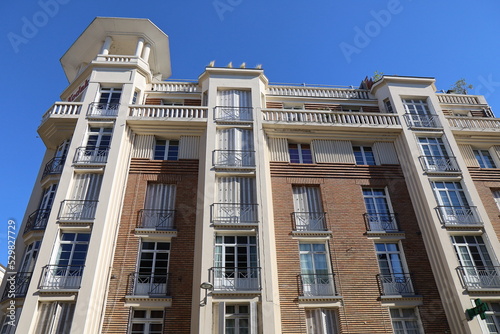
{"x": 220, "y": 316}
{"x": 55, "y": 317}
{"x": 147, "y": 321}
{"x": 171, "y": 149}
{"x": 379, "y": 222}
{"x": 114, "y": 96}
{"x": 416, "y": 106}
{"x": 316, "y": 281}
{"x": 484, "y": 158}
{"x": 238, "y": 318}
{"x": 73, "y": 249}
{"x": 405, "y": 321}
{"x": 363, "y": 149}
{"x": 308, "y": 208}
{"x": 98, "y": 138}
{"x": 48, "y": 196}
{"x": 398, "y": 272}
{"x": 30, "y": 256}
{"x": 492, "y": 318}
{"x": 303, "y": 152}
{"x": 152, "y": 279}
{"x": 322, "y": 321}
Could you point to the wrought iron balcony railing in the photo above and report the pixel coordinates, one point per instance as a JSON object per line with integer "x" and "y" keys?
{"x": 97, "y": 109}
{"x": 381, "y": 222}
{"x": 37, "y": 220}
{"x": 233, "y": 114}
{"x": 439, "y": 163}
{"x": 235, "y": 279}
{"x": 61, "y": 277}
{"x": 233, "y": 158}
{"x": 309, "y": 221}
{"x": 235, "y": 213}
{"x": 395, "y": 284}
{"x": 478, "y": 277}
{"x": 148, "y": 284}
{"x": 317, "y": 285}
{"x": 422, "y": 121}
{"x": 54, "y": 166}
{"x": 17, "y": 285}
{"x": 77, "y": 210}
{"x": 156, "y": 219}
{"x": 91, "y": 155}
{"x": 459, "y": 215}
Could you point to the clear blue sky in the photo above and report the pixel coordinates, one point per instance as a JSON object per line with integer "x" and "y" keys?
{"x": 316, "y": 42}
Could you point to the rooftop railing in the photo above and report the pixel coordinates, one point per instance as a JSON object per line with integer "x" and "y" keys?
{"x": 176, "y": 87}
{"x": 303, "y": 91}
{"x": 168, "y": 112}
{"x": 457, "y": 99}
{"x": 474, "y": 123}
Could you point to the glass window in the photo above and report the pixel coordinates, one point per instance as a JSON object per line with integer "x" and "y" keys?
{"x": 493, "y": 318}
{"x": 321, "y": 321}
{"x": 55, "y": 318}
{"x": 309, "y": 214}
{"x": 416, "y": 106}
{"x": 166, "y": 150}
{"x": 405, "y": 321}
{"x": 496, "y": 196}
{"x": 484, "y": 159}
{"x": 110, "y": 96}
{"x": 146, "y": 321}
{"x": 388, "y": 106}
{"x": 237, "y": 319}
{"x": 378, "y": 213}
{"x": 300, "y": 153}
{"x": 152, "y": 275}
{"x": 315, "y": 273}
{"x": 364, "y": 155}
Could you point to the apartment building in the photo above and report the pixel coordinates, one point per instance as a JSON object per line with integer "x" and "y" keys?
{"x": 233, "y": 205}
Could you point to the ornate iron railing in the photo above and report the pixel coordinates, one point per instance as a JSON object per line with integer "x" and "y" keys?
{"x": 235, "y": 279}
{"x": 396, "y": 284}
{"x": 309, "y": 221}
{"x": 235, "y": 213}
{"x": 37, "y": 220}
{"x": 478, "y": 277}
{"x": 156, "y": 219}
{"x": 91, "y": 155}
{"x": 422, "y": 121}
{"x": 77, "y": 210}
{"x": 54, "y": 166}
{"x": 233, "y": 158}
{"x": 233, "y": 114}
{"x": 381, "y": 222}
{"x": 61, "y": 277}
{"x": 317, "y": 285}
{"x": 17, "y": 285}
{"x": 103, "y": 109}
{"x": 438, "y": 163}
{"x": 459, "y": 215}
{"x": 148, "y": 284}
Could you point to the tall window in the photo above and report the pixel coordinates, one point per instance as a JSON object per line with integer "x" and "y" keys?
{"x": 237, "y": 200}
{"x": 388, "y": 106}
{"x": 477, "y": 266}
{"x": 110, "y": 96}
{"x": 234, "y": 148}
{"x": 48, "y": 197}
{"x": 38, "y": 219}
{"x": 315, "y": 273}
{"x": 309, "y": 214}
{"x": 236, "y": 263}
{"x": 83, "y": 199}
{"x": 99, "y": 138}
{"x": 300, "y": 153}
{"x": 159, "y": 208}
{"x": 392, "y": 274}
{"x": 69, "y": 263}
{"x": 166, "y": 150}
{"x": 493, "y": 317}
{"x": 405, "y": 321}
{"x": 484, "y": 159}
{"x": 147, "y": 321}
{"x": 435, "y": 153}
{"x": 378, "y": 213}
{"x": 453, "y": 205}
{"x": 364, "y": 155}
{"x": 237, "y": 319}
{"x": 416, "y": 106}
{"x": 234, "y": 105}
{"x": 321, "y": 321}
{"x": 151, "y": 278}
{"x": 30, "y": 255}
{"x": 55, "y": 318}
{"x": 7, "y": 323}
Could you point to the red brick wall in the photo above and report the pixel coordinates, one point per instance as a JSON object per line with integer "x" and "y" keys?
{"x": 184, "y": 174}
{"x": 352, "y": 253}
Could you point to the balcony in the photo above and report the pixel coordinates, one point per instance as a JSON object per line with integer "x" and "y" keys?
{"x": 317, "y": 285}
{"x": 63, "y": 109}
{"x": 329, "y": 92}
{"x": 77, "y": 210}
{"x": 156, "y": 219}
{"x": 395, "y": 284}
{"x": 148, "y": 284}
{"x": 381, "y": 222}
{"x": 233, "y": 158}
{"x": 233, "y": 114}
{"x": 235, "y": 214}
{"x": 479, "y": 278}
{"x": 475, "y": 124}
{"x": 103, "y": 110}
{"x": 17, "y": 285}
{"x": 183, "y": 112}
{"x": 439, "y": 164}
{"x": 235, "y": 279}
{"x": 53, "y": 167}
{"x": 87, "y": 155}
{"x": 55, "y": 277}
{"x": 418, "y": 121}
{"x": 309, "y": 221}
{"x": 459, "y": 215}
{"x": 356, "y": 119}
{"x": 37, "y": 221}
{"x": 176, "y": 87}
